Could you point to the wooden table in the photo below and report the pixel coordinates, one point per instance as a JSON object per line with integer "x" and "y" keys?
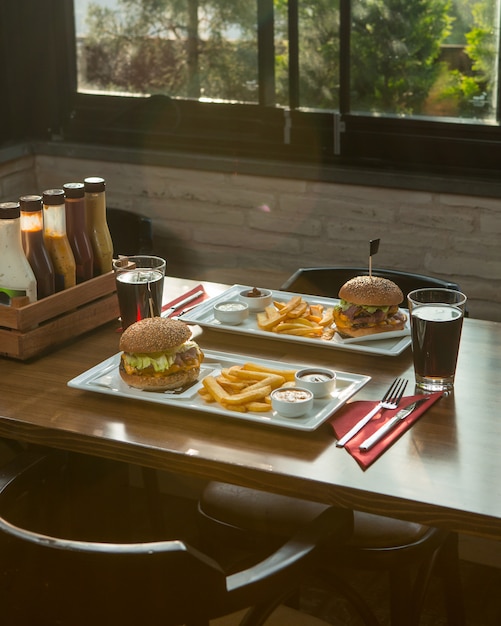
{"x": 446, "y": 471}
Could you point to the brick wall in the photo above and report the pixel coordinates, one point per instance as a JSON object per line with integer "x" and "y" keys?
{"x": 16, "y": 175}
{"x": 239, "y": 228}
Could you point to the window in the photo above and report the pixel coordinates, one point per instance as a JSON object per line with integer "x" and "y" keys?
{"x": 375, "y": 82}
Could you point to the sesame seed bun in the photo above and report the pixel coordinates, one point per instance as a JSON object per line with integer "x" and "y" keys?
{"x": 159, "y": 355}
{"x": 154, "y": 334}
{"x": 371, "y": 291}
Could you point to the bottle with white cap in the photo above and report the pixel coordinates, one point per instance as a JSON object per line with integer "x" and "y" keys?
{"x": 17, "y": 279}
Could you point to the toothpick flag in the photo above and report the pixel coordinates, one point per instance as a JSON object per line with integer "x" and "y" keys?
{"x": 373, "y": 249}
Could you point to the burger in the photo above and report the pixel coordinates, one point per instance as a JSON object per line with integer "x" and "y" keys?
{"x": 369, "y": 305}
{"x": 159, "y": 355}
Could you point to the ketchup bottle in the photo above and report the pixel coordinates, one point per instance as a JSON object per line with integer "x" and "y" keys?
{"x": 34, "y": 246}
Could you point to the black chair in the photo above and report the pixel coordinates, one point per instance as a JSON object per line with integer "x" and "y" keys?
{"x": 51, "y": 580}
{"x": 409, "y": 553}
{"x": 326, "y": 281}
{"x": 131, "y": 233}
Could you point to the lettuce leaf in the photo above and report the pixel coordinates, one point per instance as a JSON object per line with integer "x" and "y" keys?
{"x": 370, "y": 309}
{"x": 159, "y": 361}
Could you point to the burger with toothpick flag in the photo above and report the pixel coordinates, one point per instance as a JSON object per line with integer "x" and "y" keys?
{"x": 369, "y": 304}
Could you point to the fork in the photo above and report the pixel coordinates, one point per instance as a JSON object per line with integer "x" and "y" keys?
{"x": 390, "y": 400}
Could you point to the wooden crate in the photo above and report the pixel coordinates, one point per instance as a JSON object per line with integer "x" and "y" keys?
{"x": 33, "y": 329}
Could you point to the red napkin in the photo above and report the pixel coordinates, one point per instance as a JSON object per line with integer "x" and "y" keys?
{"x": 198, "y": 300}
{"x": 349, "y": 415}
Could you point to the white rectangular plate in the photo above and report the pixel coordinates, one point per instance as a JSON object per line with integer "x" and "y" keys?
{"x": 392, "y": 343}
{"x": 105, "y": 378}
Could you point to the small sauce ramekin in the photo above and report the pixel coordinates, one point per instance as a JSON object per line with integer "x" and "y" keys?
{"x": 291, "y": 401}
{"x": 320, "y": 381}
{"x": 254, "y": 301}
{"x": 232, "y": 312}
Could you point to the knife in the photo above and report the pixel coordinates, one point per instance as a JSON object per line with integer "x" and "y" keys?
{"x": 381, "y": 432}
{"x": 182, "y": 303}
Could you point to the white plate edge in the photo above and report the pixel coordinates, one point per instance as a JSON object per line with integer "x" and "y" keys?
{"x": 205, "y": 308}
{"x": 83, "y": 380}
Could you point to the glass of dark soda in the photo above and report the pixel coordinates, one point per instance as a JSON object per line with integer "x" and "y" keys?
{"x": 140, "y": 284}
{"x": 436, "y": 324}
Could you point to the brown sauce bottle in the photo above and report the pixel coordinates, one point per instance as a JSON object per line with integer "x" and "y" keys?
{"x": 77, "y": 232}
{"x": 34, "y": 246}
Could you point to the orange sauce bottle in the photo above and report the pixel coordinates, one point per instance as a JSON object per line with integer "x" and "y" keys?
{"x": 56, "y": 241}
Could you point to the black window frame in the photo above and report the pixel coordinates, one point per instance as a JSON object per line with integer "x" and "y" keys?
{"x": 237, "y": 131}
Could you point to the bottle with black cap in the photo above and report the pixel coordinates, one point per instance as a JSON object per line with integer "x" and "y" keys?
{"x": 34, "y": 246}
{"x": 56, "y": 240}
{"x": 17, "y": 279}
{"x": 76, "y": 231}
{"x": 97, "y": 225}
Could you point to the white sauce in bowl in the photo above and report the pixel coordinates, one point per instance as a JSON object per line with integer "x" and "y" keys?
{"x": 230, "y": 306}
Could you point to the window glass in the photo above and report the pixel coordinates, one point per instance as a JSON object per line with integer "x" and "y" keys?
{"x": 319, "y": 54}
{"x": 402, "y": 78}
{"x": 180, "y": 48}
{"x": 431, "y": 58}
{"x": 424, "y": 58}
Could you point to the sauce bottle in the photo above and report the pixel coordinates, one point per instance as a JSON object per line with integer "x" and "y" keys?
{"x": 34, "y": 246}
{"x": 97, "y": 226}
{"x": 16, "y": 276}
{"x": 76, "y": 231}
{"x": 56, "y": 241}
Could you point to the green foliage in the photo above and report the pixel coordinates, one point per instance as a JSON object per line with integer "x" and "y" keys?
{"x": 474, "y": 90}
{"x": 208, "y": 48}
{"x": 175, "y": 47}
{"x": 318, "y": 53}
{"x": 395, "y": 45}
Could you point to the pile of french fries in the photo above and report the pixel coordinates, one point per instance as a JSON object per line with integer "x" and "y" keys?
{"x": 297, "y": 317}
{"x": 245, "y": 387}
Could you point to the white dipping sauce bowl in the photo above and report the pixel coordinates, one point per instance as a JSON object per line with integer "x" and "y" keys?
{"x": 291, "y": 401}
{"x": 320, "y": 381}
{"x": 256, "y": 303}
{"x": 232, "y": 312}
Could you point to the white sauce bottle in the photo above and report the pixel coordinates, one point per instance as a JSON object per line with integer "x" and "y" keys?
{"x": 16, "y": 276}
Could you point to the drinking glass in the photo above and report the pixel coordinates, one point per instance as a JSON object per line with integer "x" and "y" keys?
{"x": 436, "y": 323}
{"x": 140, "y": 285}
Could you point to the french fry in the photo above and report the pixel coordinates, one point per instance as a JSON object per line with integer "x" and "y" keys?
{"x": 215, "y": 389}
{"x": 239, "y": 372}
{"x": 230, "y": 385}
{"x": 301, "y": 331}
{"x": 287, "y": 374}
{"x": 241, "y": 408}
{"x": 289, "y": 318}
{"x": 272, "y": 380}
{"x": 258, "y": 407}
{"x": 316, "y": 310}
{"x": 205, "y": 395}
{"x": 261, "y": 378}
{"x": 226, "y": 372}
{"x": 272, "y": 315}
{"x": 299, "y": 310}
{"x": 327, "y": 317}
{"x": 247, "y": 396}
{"x": 245, "y": 387}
